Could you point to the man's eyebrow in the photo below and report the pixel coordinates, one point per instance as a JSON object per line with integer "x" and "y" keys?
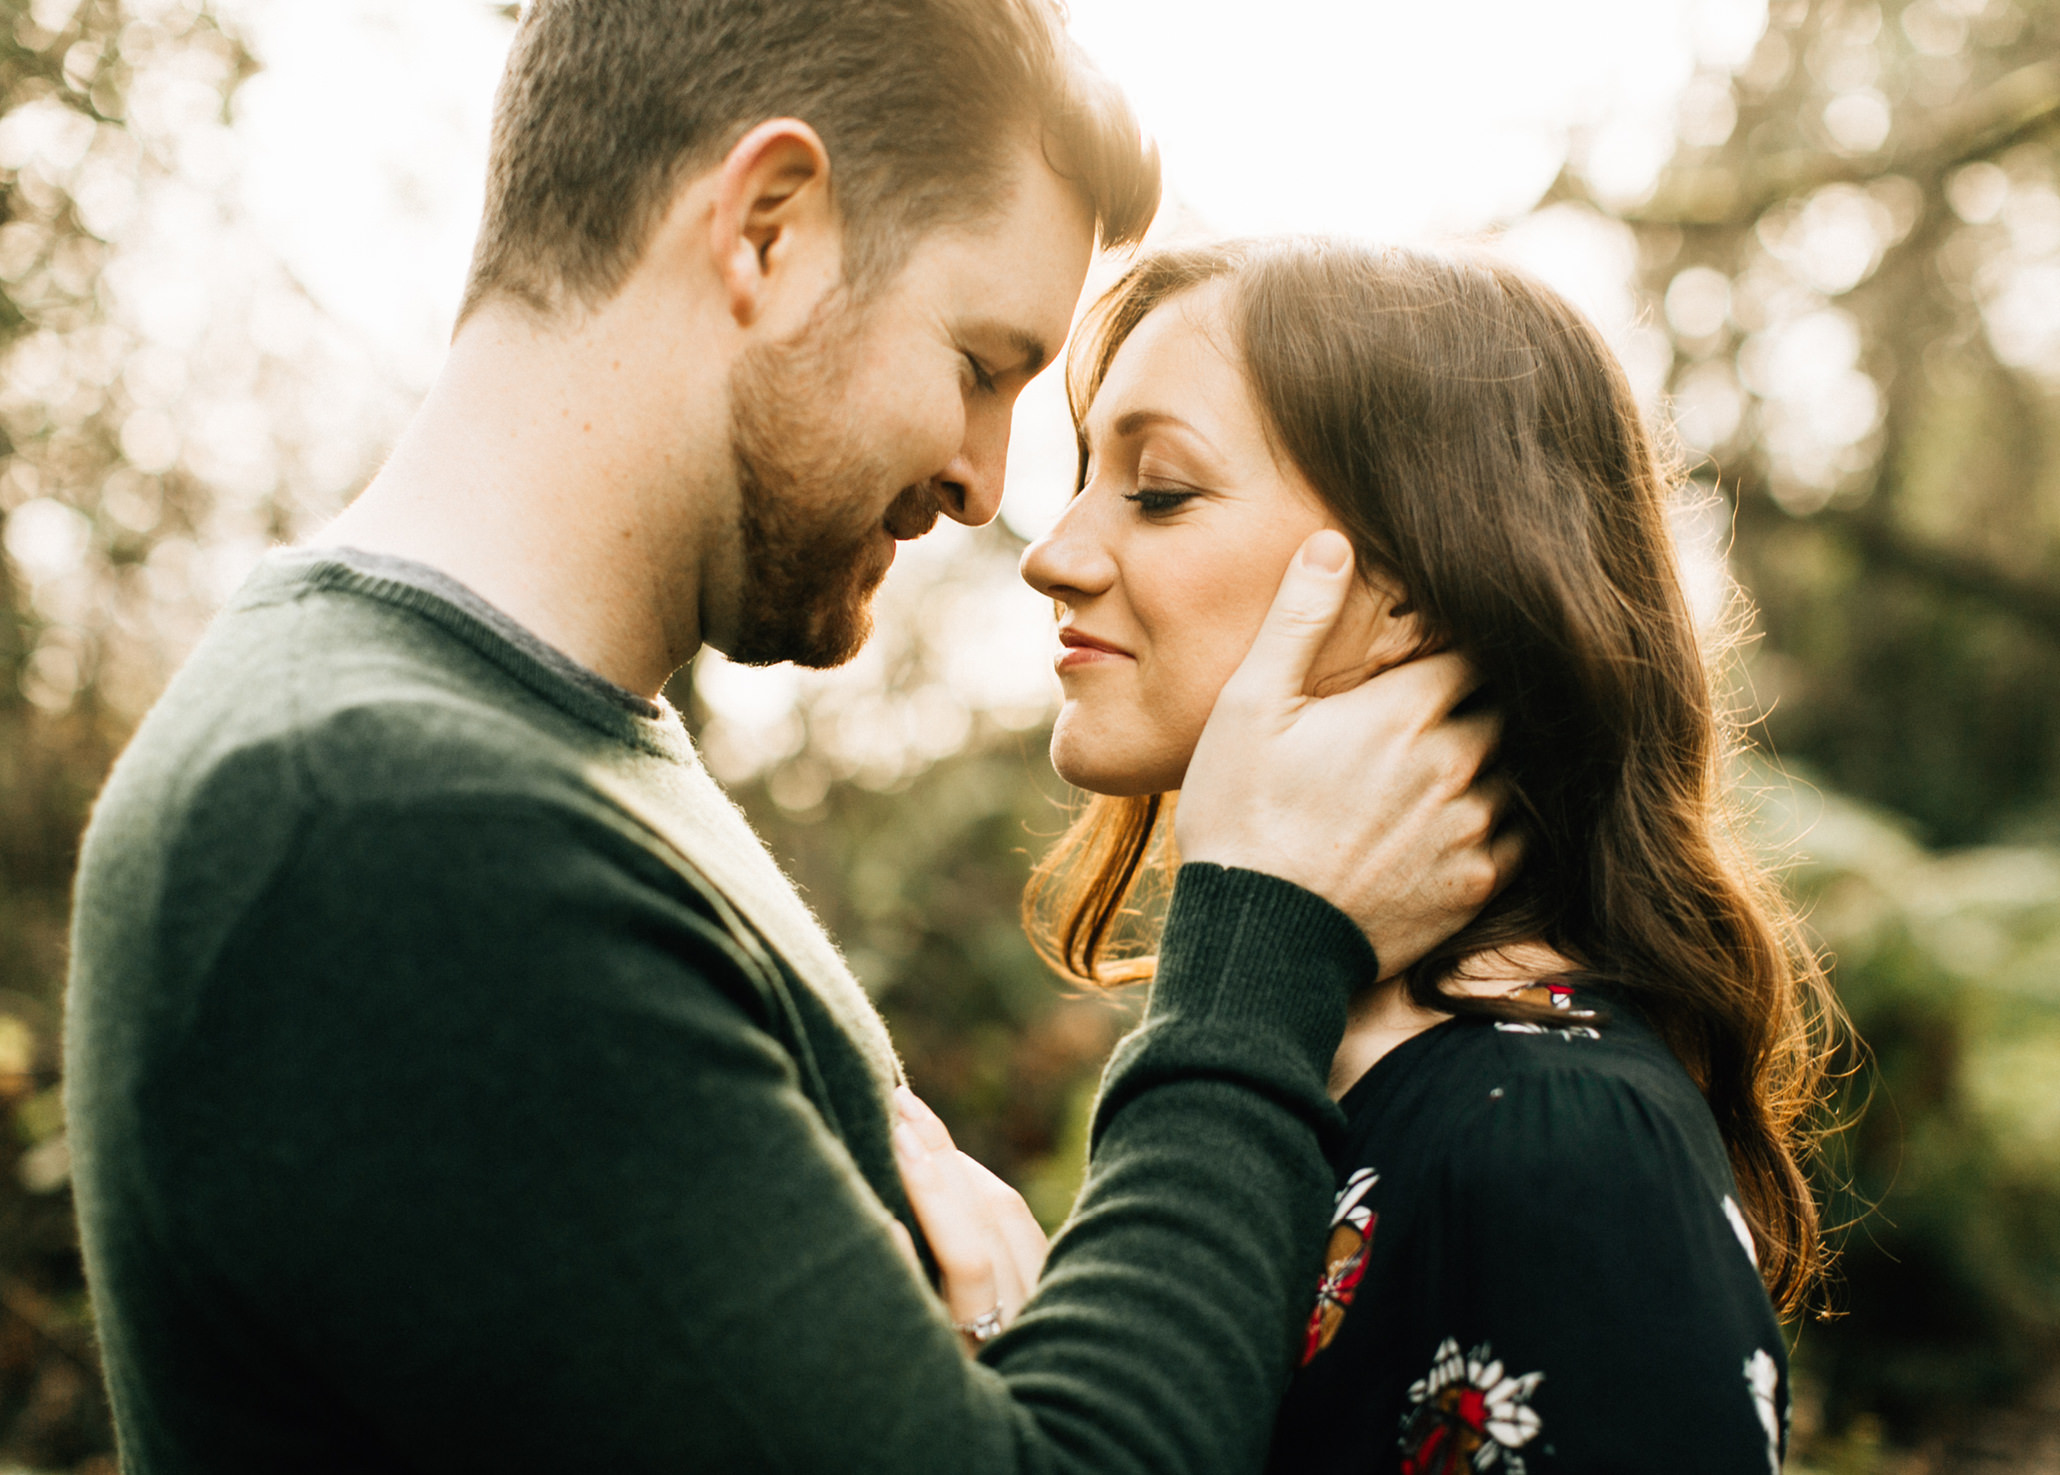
{"x": 1031, "y": 351}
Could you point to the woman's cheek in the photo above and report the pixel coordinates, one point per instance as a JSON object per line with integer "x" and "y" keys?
{"x": 1184, "y": 692}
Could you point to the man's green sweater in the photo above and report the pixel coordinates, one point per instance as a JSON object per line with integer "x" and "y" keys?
{"x": 455, "y": 1084}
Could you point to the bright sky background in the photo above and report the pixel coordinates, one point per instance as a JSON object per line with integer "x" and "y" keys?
{"x": 365, "y": 133}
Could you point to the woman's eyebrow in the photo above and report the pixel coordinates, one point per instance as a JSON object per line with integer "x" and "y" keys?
{"x": 1133, "y": 422}
{"x": 1136, "y": 421}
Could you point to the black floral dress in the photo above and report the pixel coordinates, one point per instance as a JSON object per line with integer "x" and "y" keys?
{"x": 1537, "y": 1264}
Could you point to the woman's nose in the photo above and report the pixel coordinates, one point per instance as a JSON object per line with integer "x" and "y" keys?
{"x": 1070, "y": 560}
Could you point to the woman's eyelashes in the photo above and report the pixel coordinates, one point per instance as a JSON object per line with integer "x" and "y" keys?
{"x": 1160, "y": 501}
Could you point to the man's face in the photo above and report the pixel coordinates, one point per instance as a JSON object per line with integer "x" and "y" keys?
{"x": 881, "y": 416}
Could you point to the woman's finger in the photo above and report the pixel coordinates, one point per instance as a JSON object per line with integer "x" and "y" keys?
{"x": 1011, "y": 1285}
{"x": 986, "y": 1226}
{"x": 978, "y": 1184}
{"x": 1015, "y": 1224}
{"x": 906, "y": 1243}
{"x": 927, "y": 1124}
{"x": 1507, "y": 853}
{"x": 955, "y": 1222}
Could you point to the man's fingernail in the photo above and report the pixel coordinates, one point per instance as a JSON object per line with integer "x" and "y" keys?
{"x": 907, "y": 1145}
{"x": 1327, "y": 552}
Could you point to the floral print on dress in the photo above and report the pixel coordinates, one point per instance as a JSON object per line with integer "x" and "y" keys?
{"x": 1739, "y": 1227}
{"x": 1763, "y": 1378}
{"x": 1344, "y": 1261}
{"x": 1558, "y": 996}
{"x": 1467, "y": 1414}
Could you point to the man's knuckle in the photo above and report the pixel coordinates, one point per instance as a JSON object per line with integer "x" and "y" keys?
{"x": 1452, "y": 783}
{"x": 1478, "y": 881}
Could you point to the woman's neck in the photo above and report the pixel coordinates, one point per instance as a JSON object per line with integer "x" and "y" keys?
{"x": 1383, "y": 1016}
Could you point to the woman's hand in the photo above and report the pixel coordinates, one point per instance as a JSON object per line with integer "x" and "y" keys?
{"x": 987, "y": 1242}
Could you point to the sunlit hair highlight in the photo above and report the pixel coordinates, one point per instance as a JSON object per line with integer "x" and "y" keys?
{"x": 607, "y": 107}
{"x": 1478, "y": 442}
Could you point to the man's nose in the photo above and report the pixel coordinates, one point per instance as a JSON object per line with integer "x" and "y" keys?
{"x": 969, "y": 489}
{"x": 968, "y": 496}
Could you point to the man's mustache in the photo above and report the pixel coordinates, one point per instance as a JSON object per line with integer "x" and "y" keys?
{"x": 914, "y": 512}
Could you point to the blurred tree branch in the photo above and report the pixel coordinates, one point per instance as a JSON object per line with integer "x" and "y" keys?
{"x": 2014, "y": 108}
{"x": 1862, "y": 347}
{"x": 1869, "y": 531}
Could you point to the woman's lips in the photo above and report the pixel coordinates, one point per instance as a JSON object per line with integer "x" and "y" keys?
{"x": 1078, "y": 651}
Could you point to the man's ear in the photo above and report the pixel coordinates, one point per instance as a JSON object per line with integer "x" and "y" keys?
{"x": 774, "y": 232}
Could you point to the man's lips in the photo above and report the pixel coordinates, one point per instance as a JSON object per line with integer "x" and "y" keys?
{"x": 1081, "y": 649}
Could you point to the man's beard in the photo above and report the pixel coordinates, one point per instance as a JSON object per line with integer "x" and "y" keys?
{"x": 815, "y": 547}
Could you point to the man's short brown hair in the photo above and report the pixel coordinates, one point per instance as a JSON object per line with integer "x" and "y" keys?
{"x": 608, "y": 106}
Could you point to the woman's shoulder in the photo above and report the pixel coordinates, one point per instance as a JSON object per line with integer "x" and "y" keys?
{"x": 1590, "y": 1035}
{"x": 1591, "y": 1097}
{"x": 1599, "y": 1107}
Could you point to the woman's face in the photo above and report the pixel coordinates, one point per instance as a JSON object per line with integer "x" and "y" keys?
{"x": 1165, "y": 564}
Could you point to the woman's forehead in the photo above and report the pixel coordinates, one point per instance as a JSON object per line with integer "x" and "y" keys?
{"x": 1179, "y": 365}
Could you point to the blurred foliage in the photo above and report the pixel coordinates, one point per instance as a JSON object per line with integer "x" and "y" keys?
{"x": 1946, "y": 1299}
{"x": 1855, "y": 256}
{"x": 88, "y": 494}
{"x": 1856, "y": 253}
{"x": 1853, "y": 267}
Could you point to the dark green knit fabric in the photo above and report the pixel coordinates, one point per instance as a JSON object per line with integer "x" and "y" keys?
{"x": 433, "y": 1108}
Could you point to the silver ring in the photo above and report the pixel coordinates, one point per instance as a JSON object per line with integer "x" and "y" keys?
{"x": 983, "y": 1328}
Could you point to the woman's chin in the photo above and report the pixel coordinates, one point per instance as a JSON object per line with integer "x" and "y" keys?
{"x": 1099, "y": 769}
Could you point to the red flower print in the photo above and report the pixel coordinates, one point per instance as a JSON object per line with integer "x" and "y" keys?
{"x": 1344, "y": 1262}
{"x": 1466, "y": 1415}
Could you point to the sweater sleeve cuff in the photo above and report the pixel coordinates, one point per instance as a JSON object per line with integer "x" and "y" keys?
{"x": 1253, "y": 953}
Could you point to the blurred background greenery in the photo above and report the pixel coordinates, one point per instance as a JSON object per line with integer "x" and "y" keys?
{"x": 1847, "y": 277}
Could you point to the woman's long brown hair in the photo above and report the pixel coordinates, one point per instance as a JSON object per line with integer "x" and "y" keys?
{"x": 1478, "y": 442}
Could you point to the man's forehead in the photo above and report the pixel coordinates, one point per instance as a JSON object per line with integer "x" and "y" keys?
{"x": 1004, "y": 285}
{"x": 1039, "y": 239}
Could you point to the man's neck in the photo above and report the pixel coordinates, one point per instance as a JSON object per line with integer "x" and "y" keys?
{"x": 530, "y": 474}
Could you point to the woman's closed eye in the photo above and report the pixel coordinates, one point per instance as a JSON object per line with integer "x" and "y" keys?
{"x": 1160, "y": 501}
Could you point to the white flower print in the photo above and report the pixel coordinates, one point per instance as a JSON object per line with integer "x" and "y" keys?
{"x": 1524, "y": 1027}
{"x": 1763, "y": 1378}
{"x": 1349, "y": 1209}
{"x": 1740, "y": 1228}
{"x": 1468, "y": 1414}
{"x": 1558, "y": 996}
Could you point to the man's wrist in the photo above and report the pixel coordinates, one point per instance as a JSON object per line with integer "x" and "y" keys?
{"x": 1245, "y": 950}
